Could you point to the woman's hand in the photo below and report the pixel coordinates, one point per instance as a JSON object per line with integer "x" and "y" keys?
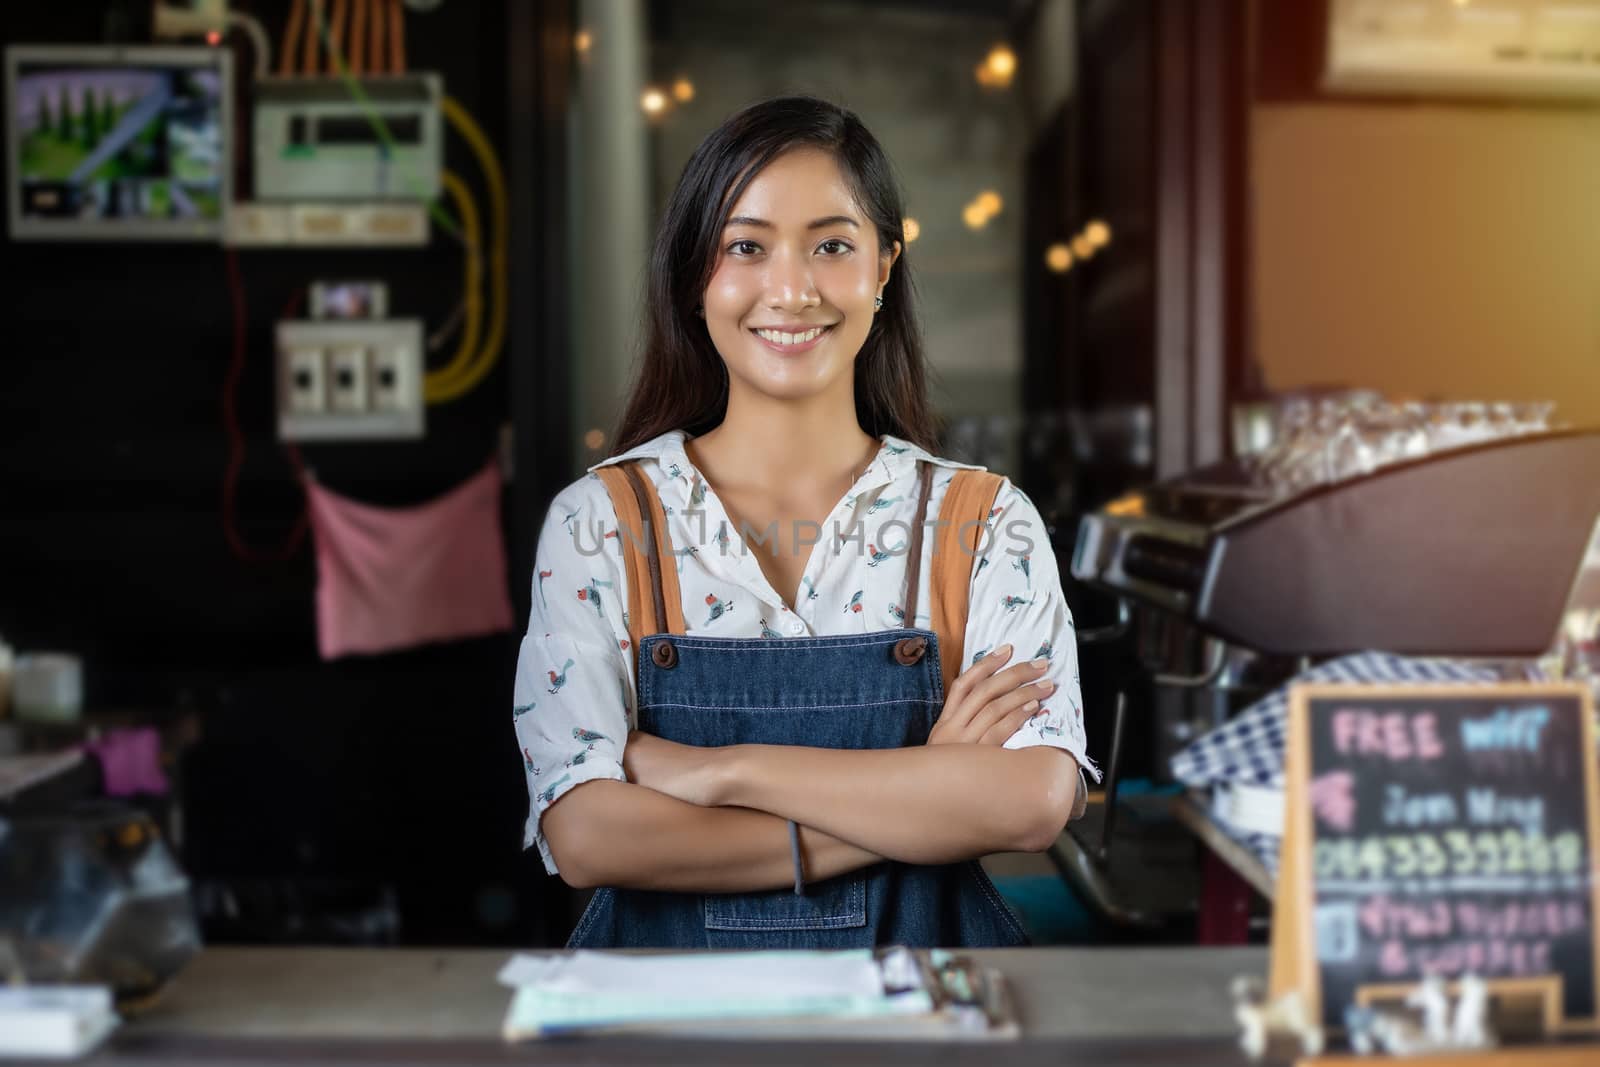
{"x": 682, "y": 771}
{"x": 986, "y": 705}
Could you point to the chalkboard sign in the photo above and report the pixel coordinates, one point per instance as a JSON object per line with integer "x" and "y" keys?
{"x": 1442, "y": 830}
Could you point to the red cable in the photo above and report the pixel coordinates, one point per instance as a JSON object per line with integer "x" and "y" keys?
{"x": 236, "y": 443}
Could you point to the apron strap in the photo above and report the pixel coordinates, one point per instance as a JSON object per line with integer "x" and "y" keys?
{"x": 914, "y": 556}
{"x": 962, "y": 523}
{"x": 653, "y": 597}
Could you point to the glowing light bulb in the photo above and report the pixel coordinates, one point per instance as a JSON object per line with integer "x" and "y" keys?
{"x": 654, "y": 101}
{"x": 974, "y": 216}
{"x": 1002, "y": 63}
{"x": 912, "y": 228}
{"x": 1058, "y": 257}
{"x": 582, "y": 41}
{"x": 989, "y": 201}
{"x": 1098, "y": 233}
{"x": 683, "y": 90}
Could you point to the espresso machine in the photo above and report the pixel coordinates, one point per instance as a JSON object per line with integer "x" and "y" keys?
{"x": 1228, "y": 586}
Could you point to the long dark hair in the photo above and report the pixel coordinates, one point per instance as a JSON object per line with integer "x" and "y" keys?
{"x": 682, "y": 382}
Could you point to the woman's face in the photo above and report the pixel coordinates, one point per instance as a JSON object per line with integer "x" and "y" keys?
{"x": 790, "y": 299}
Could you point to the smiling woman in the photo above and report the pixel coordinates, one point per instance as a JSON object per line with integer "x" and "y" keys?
{"x": 789, "y": 717}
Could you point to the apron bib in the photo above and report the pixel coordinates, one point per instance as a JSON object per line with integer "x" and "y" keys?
{"x": 876, "y": 690}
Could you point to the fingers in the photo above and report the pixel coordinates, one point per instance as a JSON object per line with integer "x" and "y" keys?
{"x": 1001, "y": 732}
{"x": 986, "y": 692}
{"x": 1002, "y": 683}
{"x": 959, "y": 703}
{"x": 1016, "y": 706}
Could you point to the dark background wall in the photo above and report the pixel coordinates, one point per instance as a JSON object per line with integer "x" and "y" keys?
{"x": 313, "y": 786}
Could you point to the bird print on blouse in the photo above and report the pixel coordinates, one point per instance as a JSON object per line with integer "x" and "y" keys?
{"x": 718, "y": 607}
{"x": 559, "y": 679}
{"x": 547, "y": 795}
{"x": 591, "y": 594}
{"x": 883, "y": 503}
{"x": 854, "y": 583}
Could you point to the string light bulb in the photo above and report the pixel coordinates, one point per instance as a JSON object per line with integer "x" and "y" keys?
{"x": 683, "y": 90}
{"x": 1058, "y": 257}
{"x": 997, "y": 68}
{"x": 582, "y": 41}
{"x": 1098, "y": 233}
{"x": 912, "y": 229}
{"x": 654, "y": 101}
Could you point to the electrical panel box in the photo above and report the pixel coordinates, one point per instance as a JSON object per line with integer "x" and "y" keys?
{"x": 350, "y": 379}
{"x": 392, "y": 223}
{"x": 316, "y": 140}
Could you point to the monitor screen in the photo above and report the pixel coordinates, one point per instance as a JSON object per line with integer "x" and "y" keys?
{"x": 116, "y": 142}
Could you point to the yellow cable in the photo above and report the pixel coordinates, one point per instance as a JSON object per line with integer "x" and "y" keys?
{"x": 452, "y": 382}
{"x": 471, "y": 287}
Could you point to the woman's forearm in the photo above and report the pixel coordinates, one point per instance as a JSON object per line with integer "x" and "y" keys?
{"x": 610, "y": 833}
{"x": 922, "y": 804}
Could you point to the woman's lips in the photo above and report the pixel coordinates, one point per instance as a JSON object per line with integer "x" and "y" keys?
{"x": 802, "y": 346}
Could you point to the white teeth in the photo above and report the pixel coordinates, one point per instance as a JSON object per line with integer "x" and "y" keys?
{"x": 779, "y": 338}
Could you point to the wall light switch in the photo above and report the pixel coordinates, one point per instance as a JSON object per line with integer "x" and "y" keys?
{"x": 305, "y": 385}
{"x": 393, "y": 385}
{"x": 348, "y": 385}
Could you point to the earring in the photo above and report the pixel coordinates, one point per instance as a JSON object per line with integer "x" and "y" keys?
{"x": 877, "y": 303}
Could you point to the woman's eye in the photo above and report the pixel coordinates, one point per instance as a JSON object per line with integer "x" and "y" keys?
{"x": 833, "y": 247}
{"x": 744, "y": 248}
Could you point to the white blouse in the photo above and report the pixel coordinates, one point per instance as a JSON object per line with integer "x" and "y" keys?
{"x": 574, "y": 698}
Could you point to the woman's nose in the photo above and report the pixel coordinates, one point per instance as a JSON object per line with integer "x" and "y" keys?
{"x": 790, "y": 285}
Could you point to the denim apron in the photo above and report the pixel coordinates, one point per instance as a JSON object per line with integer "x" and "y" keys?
{"x": 875, "y": 690}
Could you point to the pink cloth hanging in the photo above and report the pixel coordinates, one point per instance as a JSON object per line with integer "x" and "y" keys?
{"x": 391, "y": 578}
{"x": 130, "y": 761}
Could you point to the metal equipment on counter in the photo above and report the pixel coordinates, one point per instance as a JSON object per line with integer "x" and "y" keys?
{"x": 1229, "y": 587}
{"x": 1468, "y": 552}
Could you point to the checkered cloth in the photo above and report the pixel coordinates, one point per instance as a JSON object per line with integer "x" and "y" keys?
{"x": 1263, "y": 846}
{"x": 1249, "y": 747}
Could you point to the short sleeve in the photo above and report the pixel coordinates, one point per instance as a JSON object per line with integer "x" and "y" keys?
{"x": 571, "y": 702}
{"x": 1016, "y": 599}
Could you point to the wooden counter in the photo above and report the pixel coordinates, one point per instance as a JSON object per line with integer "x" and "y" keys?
{"x": 423, "y": 1007}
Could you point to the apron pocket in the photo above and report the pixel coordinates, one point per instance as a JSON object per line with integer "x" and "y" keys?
{"x": 836, "y": 904}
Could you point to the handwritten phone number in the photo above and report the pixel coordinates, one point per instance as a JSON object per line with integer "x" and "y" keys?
{"x": 1453, "y": 853}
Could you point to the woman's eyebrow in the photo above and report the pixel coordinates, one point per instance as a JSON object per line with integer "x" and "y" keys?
{"x": 751, "y": 220}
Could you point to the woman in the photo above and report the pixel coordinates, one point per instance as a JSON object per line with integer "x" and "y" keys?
{"x": 808, "y": 769}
